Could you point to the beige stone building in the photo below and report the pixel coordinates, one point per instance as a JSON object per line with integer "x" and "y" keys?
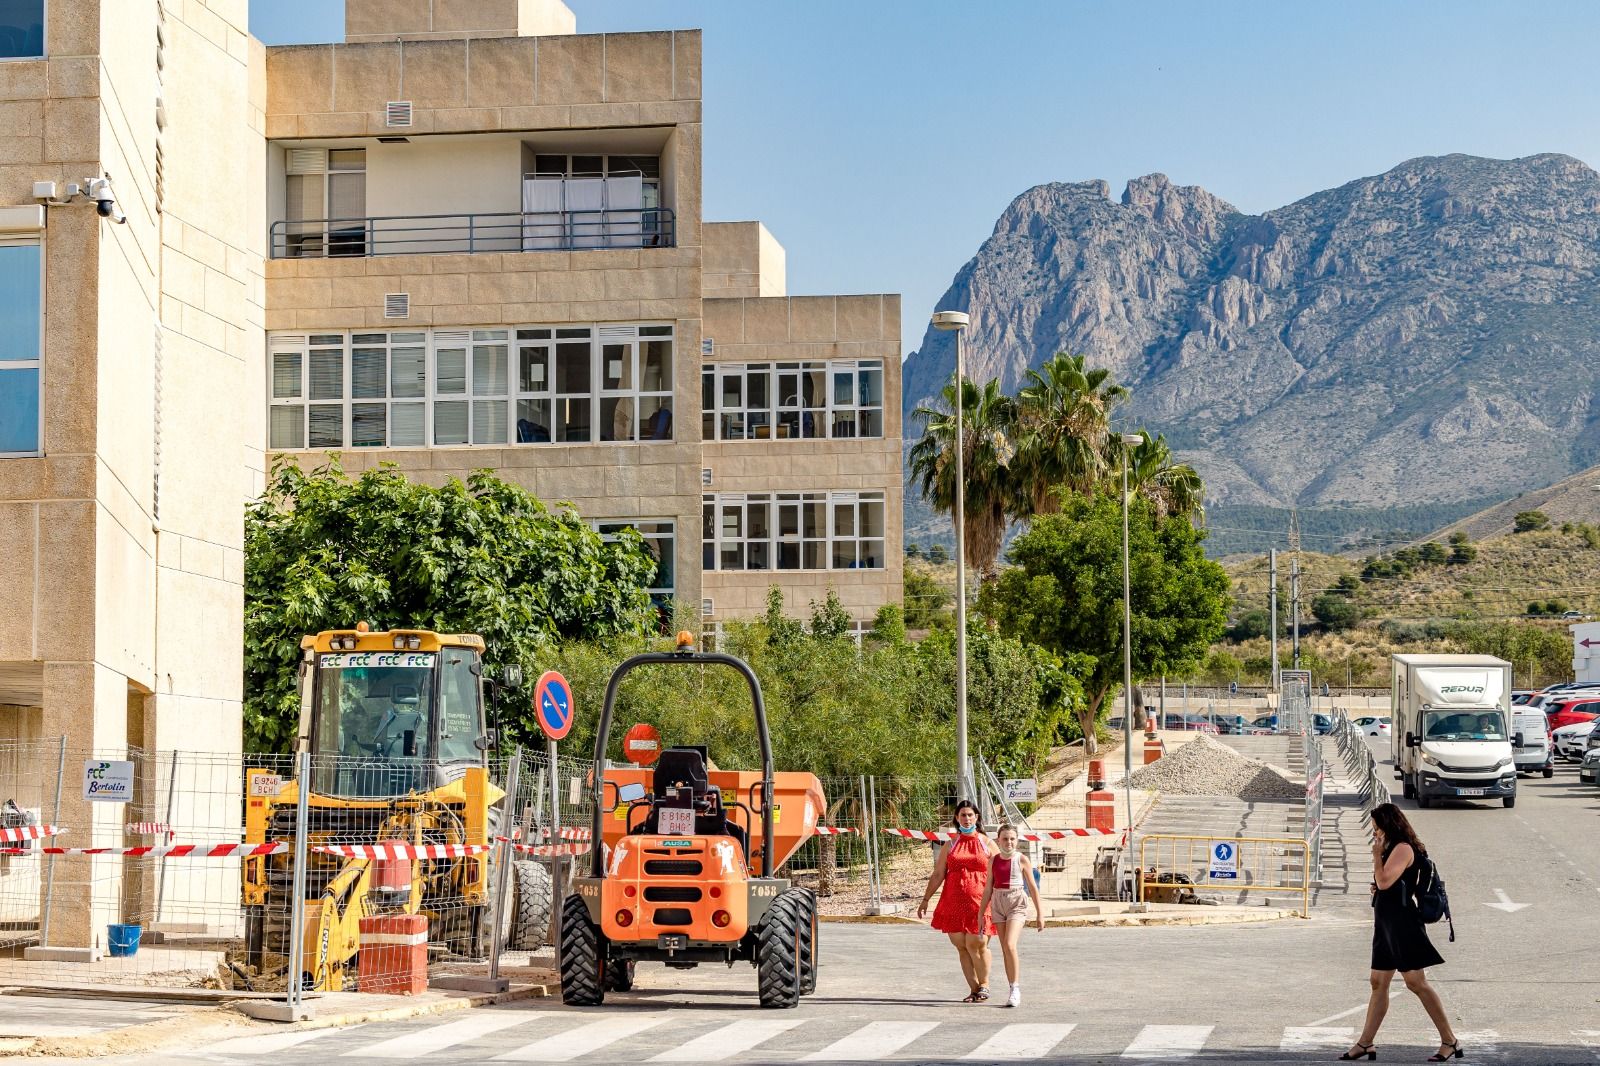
{"x": 466, "y": 237}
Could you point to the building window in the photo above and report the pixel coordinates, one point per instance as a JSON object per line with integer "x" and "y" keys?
{"x": 792, "y": 401}
{"x": 660, "y": 541}
{"x": 593, "y": 201}
{"x": 325, "y": 202}
{"x": 21, "y": 340}
{"x": 21, "y": 29}
{"x": 529, "y": 385}
{"x": 793, "y": 531}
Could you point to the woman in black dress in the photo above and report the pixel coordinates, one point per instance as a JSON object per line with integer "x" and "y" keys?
{"x": 1399, "y": 939}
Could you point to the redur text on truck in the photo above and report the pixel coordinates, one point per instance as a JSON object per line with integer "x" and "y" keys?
{"x": 1451, "y": 735}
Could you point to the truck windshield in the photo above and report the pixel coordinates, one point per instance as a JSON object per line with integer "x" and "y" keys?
{"x": 374, "y": 705}
{"x": 1464, "y": 725}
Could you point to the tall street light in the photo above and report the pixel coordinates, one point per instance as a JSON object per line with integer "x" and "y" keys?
{"x": 956, "y": 321}
{"x": 1129, "y": 442}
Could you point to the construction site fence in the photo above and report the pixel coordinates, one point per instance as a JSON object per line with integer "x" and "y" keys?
{"x": 1361, "y": 766}
{"x": 1225, "y": 870}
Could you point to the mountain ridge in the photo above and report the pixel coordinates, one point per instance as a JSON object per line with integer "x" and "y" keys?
{"x": 1430, "y": 334}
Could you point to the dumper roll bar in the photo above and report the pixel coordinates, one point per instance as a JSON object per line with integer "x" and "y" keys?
{"x": 603, "y": 735}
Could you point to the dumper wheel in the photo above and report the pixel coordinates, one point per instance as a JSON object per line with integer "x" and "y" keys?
{"x": 619, "y": 975}
{"x": 778, "y": 943}
{"x": 582, "y": 957}
{"x": 533, "y": 897}
{"x": 808, "y": 946}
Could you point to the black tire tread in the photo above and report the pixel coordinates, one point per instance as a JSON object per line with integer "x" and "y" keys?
{"x": 619, "y": 976}
{"x": 778, "y": 952}
{"x": 534, "y": 893}
{"x": 808, "y": 948}
{"x": 582, "y": 957}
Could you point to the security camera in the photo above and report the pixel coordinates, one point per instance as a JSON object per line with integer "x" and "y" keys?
{"x": 105, "y": 200}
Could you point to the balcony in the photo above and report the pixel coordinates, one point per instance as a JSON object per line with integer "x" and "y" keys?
{"x": 468, "y": 234}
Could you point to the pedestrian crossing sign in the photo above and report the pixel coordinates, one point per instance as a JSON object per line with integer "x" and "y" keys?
{"x": 1224, "y": 861}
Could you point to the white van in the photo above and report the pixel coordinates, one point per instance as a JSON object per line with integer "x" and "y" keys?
{"x": 1531, "y": 735}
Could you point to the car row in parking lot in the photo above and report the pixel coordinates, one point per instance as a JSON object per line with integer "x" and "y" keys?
{"x": 1571, "y": 714}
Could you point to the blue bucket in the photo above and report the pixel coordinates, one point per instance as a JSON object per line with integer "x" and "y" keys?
{"x": 123, "y": 940}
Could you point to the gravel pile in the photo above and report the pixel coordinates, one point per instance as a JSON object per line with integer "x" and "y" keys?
{"x": 1206, "y": 767}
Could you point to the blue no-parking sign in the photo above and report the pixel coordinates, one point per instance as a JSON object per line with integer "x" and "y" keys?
{"x": 552, "y": 704}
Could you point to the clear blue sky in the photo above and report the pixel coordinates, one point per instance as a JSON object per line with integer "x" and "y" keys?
{"x": 880, "y": 139}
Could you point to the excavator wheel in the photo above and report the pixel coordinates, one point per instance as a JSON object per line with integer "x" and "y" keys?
{"x": 619, "y": 975}
{"x": 532, "y": 898}
{"x": 583, "y": 949}
{"x": 778, "y": 954}
{"x": 808, "y": 946}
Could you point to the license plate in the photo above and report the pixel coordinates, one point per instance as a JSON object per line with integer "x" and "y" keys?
{"x": 1469, "y": 791}
{"x": 672, "y": 941}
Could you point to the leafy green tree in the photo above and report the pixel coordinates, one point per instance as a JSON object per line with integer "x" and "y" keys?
{"x": 1408, "y": 558}
{"x": 1173, "y": 488}
{"x": 323, "y": 551}
{"x": 1064, "y": 593}
{"x": 927, "y": 601}
{"x": 829, "y": 619}
{"x": 1348, "y": 584}
{"x": 1458, "y": 538}
{"x": 1529, "y": 521}
{"x": 1221, "y": 667}
{"x": 889, "y": 624}
{"x": 1337, "y": 612}
{"x": 1590, "y": 535}
{"x": 1461, "y": 553}
{"x": 913, "y": 550}
{"x": 938, "y": 554}
{"x": 988, "y": 418}
{"x": 1249, "y": 625}
{"x": 1433, "y": 553}
{"x": 1063, "y": 424}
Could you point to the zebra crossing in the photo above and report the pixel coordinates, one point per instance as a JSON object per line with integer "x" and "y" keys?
{"x": 512, "y": 1035}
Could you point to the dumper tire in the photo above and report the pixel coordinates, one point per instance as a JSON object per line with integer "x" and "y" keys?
{"x": 808, "y": 949}
{"x": 778, "y": 943}
{"x": 582, "y": 962}
{"x": 533, "y": 893}
{"x": 619, "y": 975}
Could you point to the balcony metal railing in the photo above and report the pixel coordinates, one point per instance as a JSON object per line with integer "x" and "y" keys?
{"x": 468, "y": 234}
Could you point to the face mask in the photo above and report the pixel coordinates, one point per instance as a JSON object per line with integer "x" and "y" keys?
{"x": 1008, "y": 852}
{"x": 966, "y": 828}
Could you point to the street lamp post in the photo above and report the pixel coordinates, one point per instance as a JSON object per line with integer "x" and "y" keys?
{"x": 1129, "y": 440}
{"x": 956, "y": 321}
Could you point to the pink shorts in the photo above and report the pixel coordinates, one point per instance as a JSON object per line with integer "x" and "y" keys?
{"x": 1008, "y": 905}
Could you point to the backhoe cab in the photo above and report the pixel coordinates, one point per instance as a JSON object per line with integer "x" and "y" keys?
{"x": 395, "y": 726}
{"x": 687, "y": 874}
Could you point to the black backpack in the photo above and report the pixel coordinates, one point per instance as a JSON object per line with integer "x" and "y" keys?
{"x": 1429, "y": 896}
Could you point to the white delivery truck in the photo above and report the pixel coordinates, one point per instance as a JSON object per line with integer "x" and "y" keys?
{"x": 1451, "y": 733}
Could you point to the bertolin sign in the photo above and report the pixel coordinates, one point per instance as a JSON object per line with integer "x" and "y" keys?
{"x": 107, "y": 782}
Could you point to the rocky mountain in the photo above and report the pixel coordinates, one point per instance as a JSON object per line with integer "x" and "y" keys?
{"x": 1430, "y": 335}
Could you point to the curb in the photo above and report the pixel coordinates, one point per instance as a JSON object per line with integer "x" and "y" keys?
{"x": 150, "y": 1037}
{"x": 1090, "y": 921}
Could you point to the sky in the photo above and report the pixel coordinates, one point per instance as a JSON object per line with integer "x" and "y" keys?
{"x": 880, "y": 139}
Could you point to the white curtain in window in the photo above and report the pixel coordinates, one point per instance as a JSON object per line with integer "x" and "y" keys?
{"x": 541, "y": 210}
{"x": 624, "y": 202}
{"x": 586, "y": 201}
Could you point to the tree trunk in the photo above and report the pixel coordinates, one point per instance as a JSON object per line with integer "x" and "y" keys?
{"x": 1136, "y": 701}
{"x": 827, "y": 864}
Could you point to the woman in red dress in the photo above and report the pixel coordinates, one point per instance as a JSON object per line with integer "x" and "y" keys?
{"x": 959, "y": 875}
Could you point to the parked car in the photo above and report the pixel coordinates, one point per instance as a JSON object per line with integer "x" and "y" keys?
{"x": 1571, "y": 741}
{"x": 1572, "y": 710}
{"x": 1589, "y": 770}
{"x": 1193, "y": 723}
{"x": 1521, "y": 696}
{"x": 1572, "y": 616}
{"x": 1373, "y": 725}
{"x": 1531, "y": 735}
{"x": 1322, "y": 723}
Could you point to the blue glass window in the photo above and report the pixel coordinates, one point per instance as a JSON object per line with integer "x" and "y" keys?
{"x": 21, "y": 29}
{"x": 20, "y": 315}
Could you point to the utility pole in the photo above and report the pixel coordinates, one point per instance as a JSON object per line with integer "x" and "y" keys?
{"x": 1272, "y": 610}
{"x": 1294, "y": 609}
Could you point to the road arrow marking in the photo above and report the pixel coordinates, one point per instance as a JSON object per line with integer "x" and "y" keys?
{"x": 1505, "y": 903}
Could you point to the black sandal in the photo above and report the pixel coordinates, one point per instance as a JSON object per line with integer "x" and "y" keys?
{"x": 1454, "y": 1046}
{"x": 1366, "y": 1052}
{"x": 971, "y": 997}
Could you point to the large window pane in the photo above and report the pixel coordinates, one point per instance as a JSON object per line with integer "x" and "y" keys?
{"x": 533, "y": 421}
{"x": 616, "y": 367}
{"x": 367, "y": 425}
{"x": 533, "y": 373}
{"x": 489, "y": 370}
{"x": 327, "y": 426}
{"x": 407, "y": 422}
{"x": 451, "y": 364}
{"x": 21, "y": 29}
{"x": 327, "y": 374}
{"x": 572, "y": 369}
{"x": 655, "y": 418}
{"x": 618, "y": 418}
{"x": 287, "y": 427}
{"x": 573, "y": 423}
{"x": 655, "y": 366}
{"x": 368, "y": 371}
{"x": 408, "y": 372}
{"x": 19, "y": 409}
{"x": 286, "y": 375}
{"x": 450, "y": 422}
{"x": 488, "y": 421}
{"x": 19, "y": 300}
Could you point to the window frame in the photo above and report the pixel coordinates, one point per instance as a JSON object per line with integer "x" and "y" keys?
{"x": 661, "y": 594}
{"x": 36, "y": 364}
{"x": 777, "y": 415}
{"x": 331, "y": 242}
{"x": 44, "y": 53}
{"x": 739, "y": 547}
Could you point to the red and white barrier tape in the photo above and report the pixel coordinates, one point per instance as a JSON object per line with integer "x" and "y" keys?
{"x": 568, "y": 833}
{"x": 548, "y": 849}
{"x": 401, "y": 851}
{"x": 148, "y": 829}
{"x": 833, "y": 830}
{"x": 196, "y": 851}
{"x": 1048, "y": 834}
{"x": 28, "y": 832}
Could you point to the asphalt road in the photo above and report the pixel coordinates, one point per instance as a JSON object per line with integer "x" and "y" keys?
{"x": 1522, "y": 982}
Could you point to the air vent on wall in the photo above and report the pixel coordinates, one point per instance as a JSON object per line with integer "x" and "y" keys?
{"x": 707, "y": 608}
{"x": 397, "y": 113}
{"x": 307, "y": 160}
{"x": 705, "y": 477}
{"x": 397, "y": 305}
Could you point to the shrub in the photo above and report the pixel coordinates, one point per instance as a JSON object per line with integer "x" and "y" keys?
{"x": 938, "y": 554}
{"x": 1433, "y": 553}
{"x": 1335, "y": 611}
{"x": 1530, "y": 521}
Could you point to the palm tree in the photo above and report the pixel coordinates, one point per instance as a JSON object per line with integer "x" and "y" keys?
{"x": 1172, "y": 488}
{"x": 1064, "y": 415}
{"x": 988, "y": 417}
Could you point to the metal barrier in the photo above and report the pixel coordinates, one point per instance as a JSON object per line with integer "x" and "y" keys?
{"x": 1222, "y": 866}
{"x": 1316, "y": 782}
{"x": 1360, "y": 765}
{"x": 469, "y": 234}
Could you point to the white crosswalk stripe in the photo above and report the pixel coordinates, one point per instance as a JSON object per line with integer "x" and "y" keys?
{"x": 265, "y": 1044}
{"x": 1017, "y": 1042}
{"x": 576, "y": 1043}
{"x": 438, "y": 1037}
{"x": 728, "y": 1041}
{"x": 1168, "y": 1042}
{"x": 875, "y": 1040}
{"x": 1311, "y": 1037}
